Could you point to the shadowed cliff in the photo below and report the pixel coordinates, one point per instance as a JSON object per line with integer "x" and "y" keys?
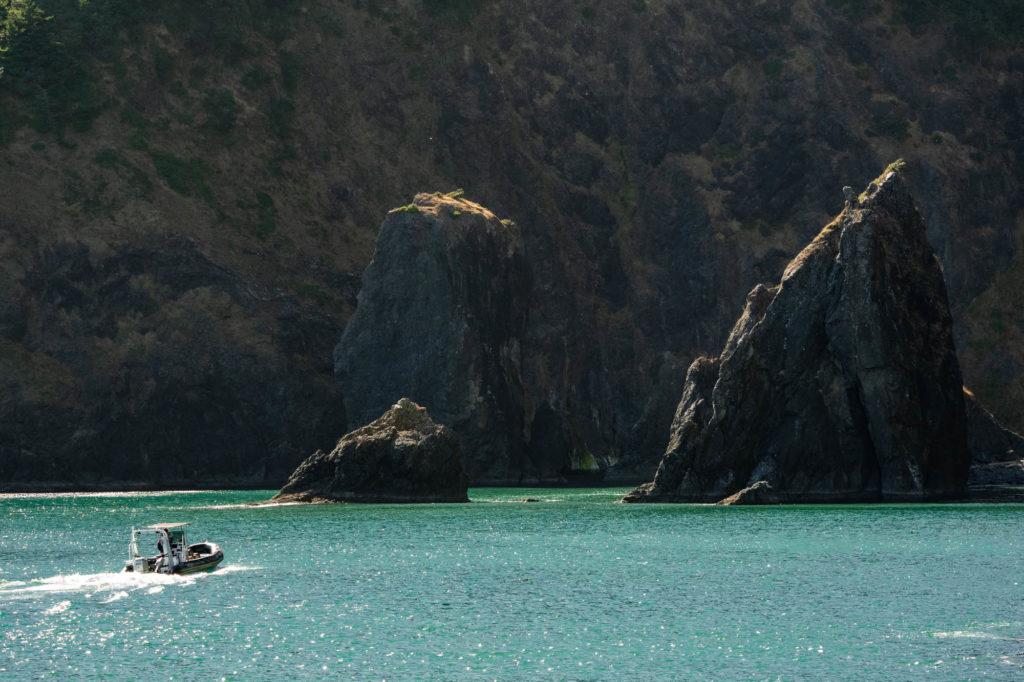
{"x": 841, "y": 383}
{"x": 192, "y": 194}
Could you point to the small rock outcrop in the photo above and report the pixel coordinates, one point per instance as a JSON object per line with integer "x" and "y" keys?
{"x": 997, "y": 454}
{"x": 759, "y": 493}
{"x": 439, "y": 319}
{"x": 401, "y": 457}
{"x": 841, "y": 383}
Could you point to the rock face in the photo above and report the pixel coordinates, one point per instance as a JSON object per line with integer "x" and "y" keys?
{"x": 655, "y": 155}
{"x": 439, "y": 319}
{"x": 759, "y": 493}
{"x": 401, "y": 457}
{"x": 839, "y": 383}
{"x": 151, "y": 366}
{"x": 997, "y": 454}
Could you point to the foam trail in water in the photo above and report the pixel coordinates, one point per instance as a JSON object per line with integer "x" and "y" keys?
{"x": 96, "y": 583}
{"x": 121, "y": 594}
{"x": 964, "y": 634}
{"x": 234, "y": 569}
{"x": 111, "y": 586}
{"x": 59, "y": 607}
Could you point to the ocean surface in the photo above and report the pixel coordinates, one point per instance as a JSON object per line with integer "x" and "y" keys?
{"x": 574, "y": 587}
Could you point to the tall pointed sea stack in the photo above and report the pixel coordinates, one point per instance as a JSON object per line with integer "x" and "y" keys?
{"x": 841, "y": 383}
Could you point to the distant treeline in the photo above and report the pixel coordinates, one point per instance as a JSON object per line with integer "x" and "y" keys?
{"x": 46, "y": 45}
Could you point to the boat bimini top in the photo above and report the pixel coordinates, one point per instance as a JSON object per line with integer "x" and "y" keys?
{"x": 171, "y": 542}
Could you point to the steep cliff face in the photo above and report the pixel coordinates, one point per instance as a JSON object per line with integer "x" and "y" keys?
{"x": 840, "y": 383}
{"x": 659, "y": 158}
{"x": 441, "y": 318}
{"x": 151, "y": 366}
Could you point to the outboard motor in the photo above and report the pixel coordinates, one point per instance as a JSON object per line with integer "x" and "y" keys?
{"x": 140, "y": 565}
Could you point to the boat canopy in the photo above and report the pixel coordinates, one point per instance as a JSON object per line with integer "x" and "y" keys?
{"x": 163, "y": 526}
{"x": 174, "y": 532}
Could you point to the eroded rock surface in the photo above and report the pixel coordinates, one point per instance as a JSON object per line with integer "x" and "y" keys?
{"x": 439, "y": 319}
{"x": 655, "y": 156}
{"x": 401, "y": 457}
{"x": 839, "y": 383}
{"x": 997, "y": 454}
{"x": 759, "y": 493}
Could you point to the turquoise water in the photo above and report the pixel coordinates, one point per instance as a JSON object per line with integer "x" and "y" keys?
{"x": 573, "y": 587}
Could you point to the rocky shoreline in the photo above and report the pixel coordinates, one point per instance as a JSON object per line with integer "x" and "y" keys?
{"x": 996, "y": 494}
{"x": 840, "y": 383}
{"x": 183, "y": 234}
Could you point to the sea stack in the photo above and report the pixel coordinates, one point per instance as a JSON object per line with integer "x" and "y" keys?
{"x": 439, "y": 319}
{"x": 840, "y": 383}
{"x": 401, "y": 457}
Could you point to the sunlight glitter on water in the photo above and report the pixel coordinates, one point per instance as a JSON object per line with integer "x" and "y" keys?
{"x": 575, "y": 587}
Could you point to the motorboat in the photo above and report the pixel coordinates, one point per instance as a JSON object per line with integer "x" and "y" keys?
{"x": 174, "y": 554}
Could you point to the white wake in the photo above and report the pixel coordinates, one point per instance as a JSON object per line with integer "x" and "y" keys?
{"x": 105, "y": 588}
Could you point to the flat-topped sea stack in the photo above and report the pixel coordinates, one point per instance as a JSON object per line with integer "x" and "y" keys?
{"x": 401, "y": 457}
{"x": 841, "y": 383}
{"x": 439, "y": 319}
